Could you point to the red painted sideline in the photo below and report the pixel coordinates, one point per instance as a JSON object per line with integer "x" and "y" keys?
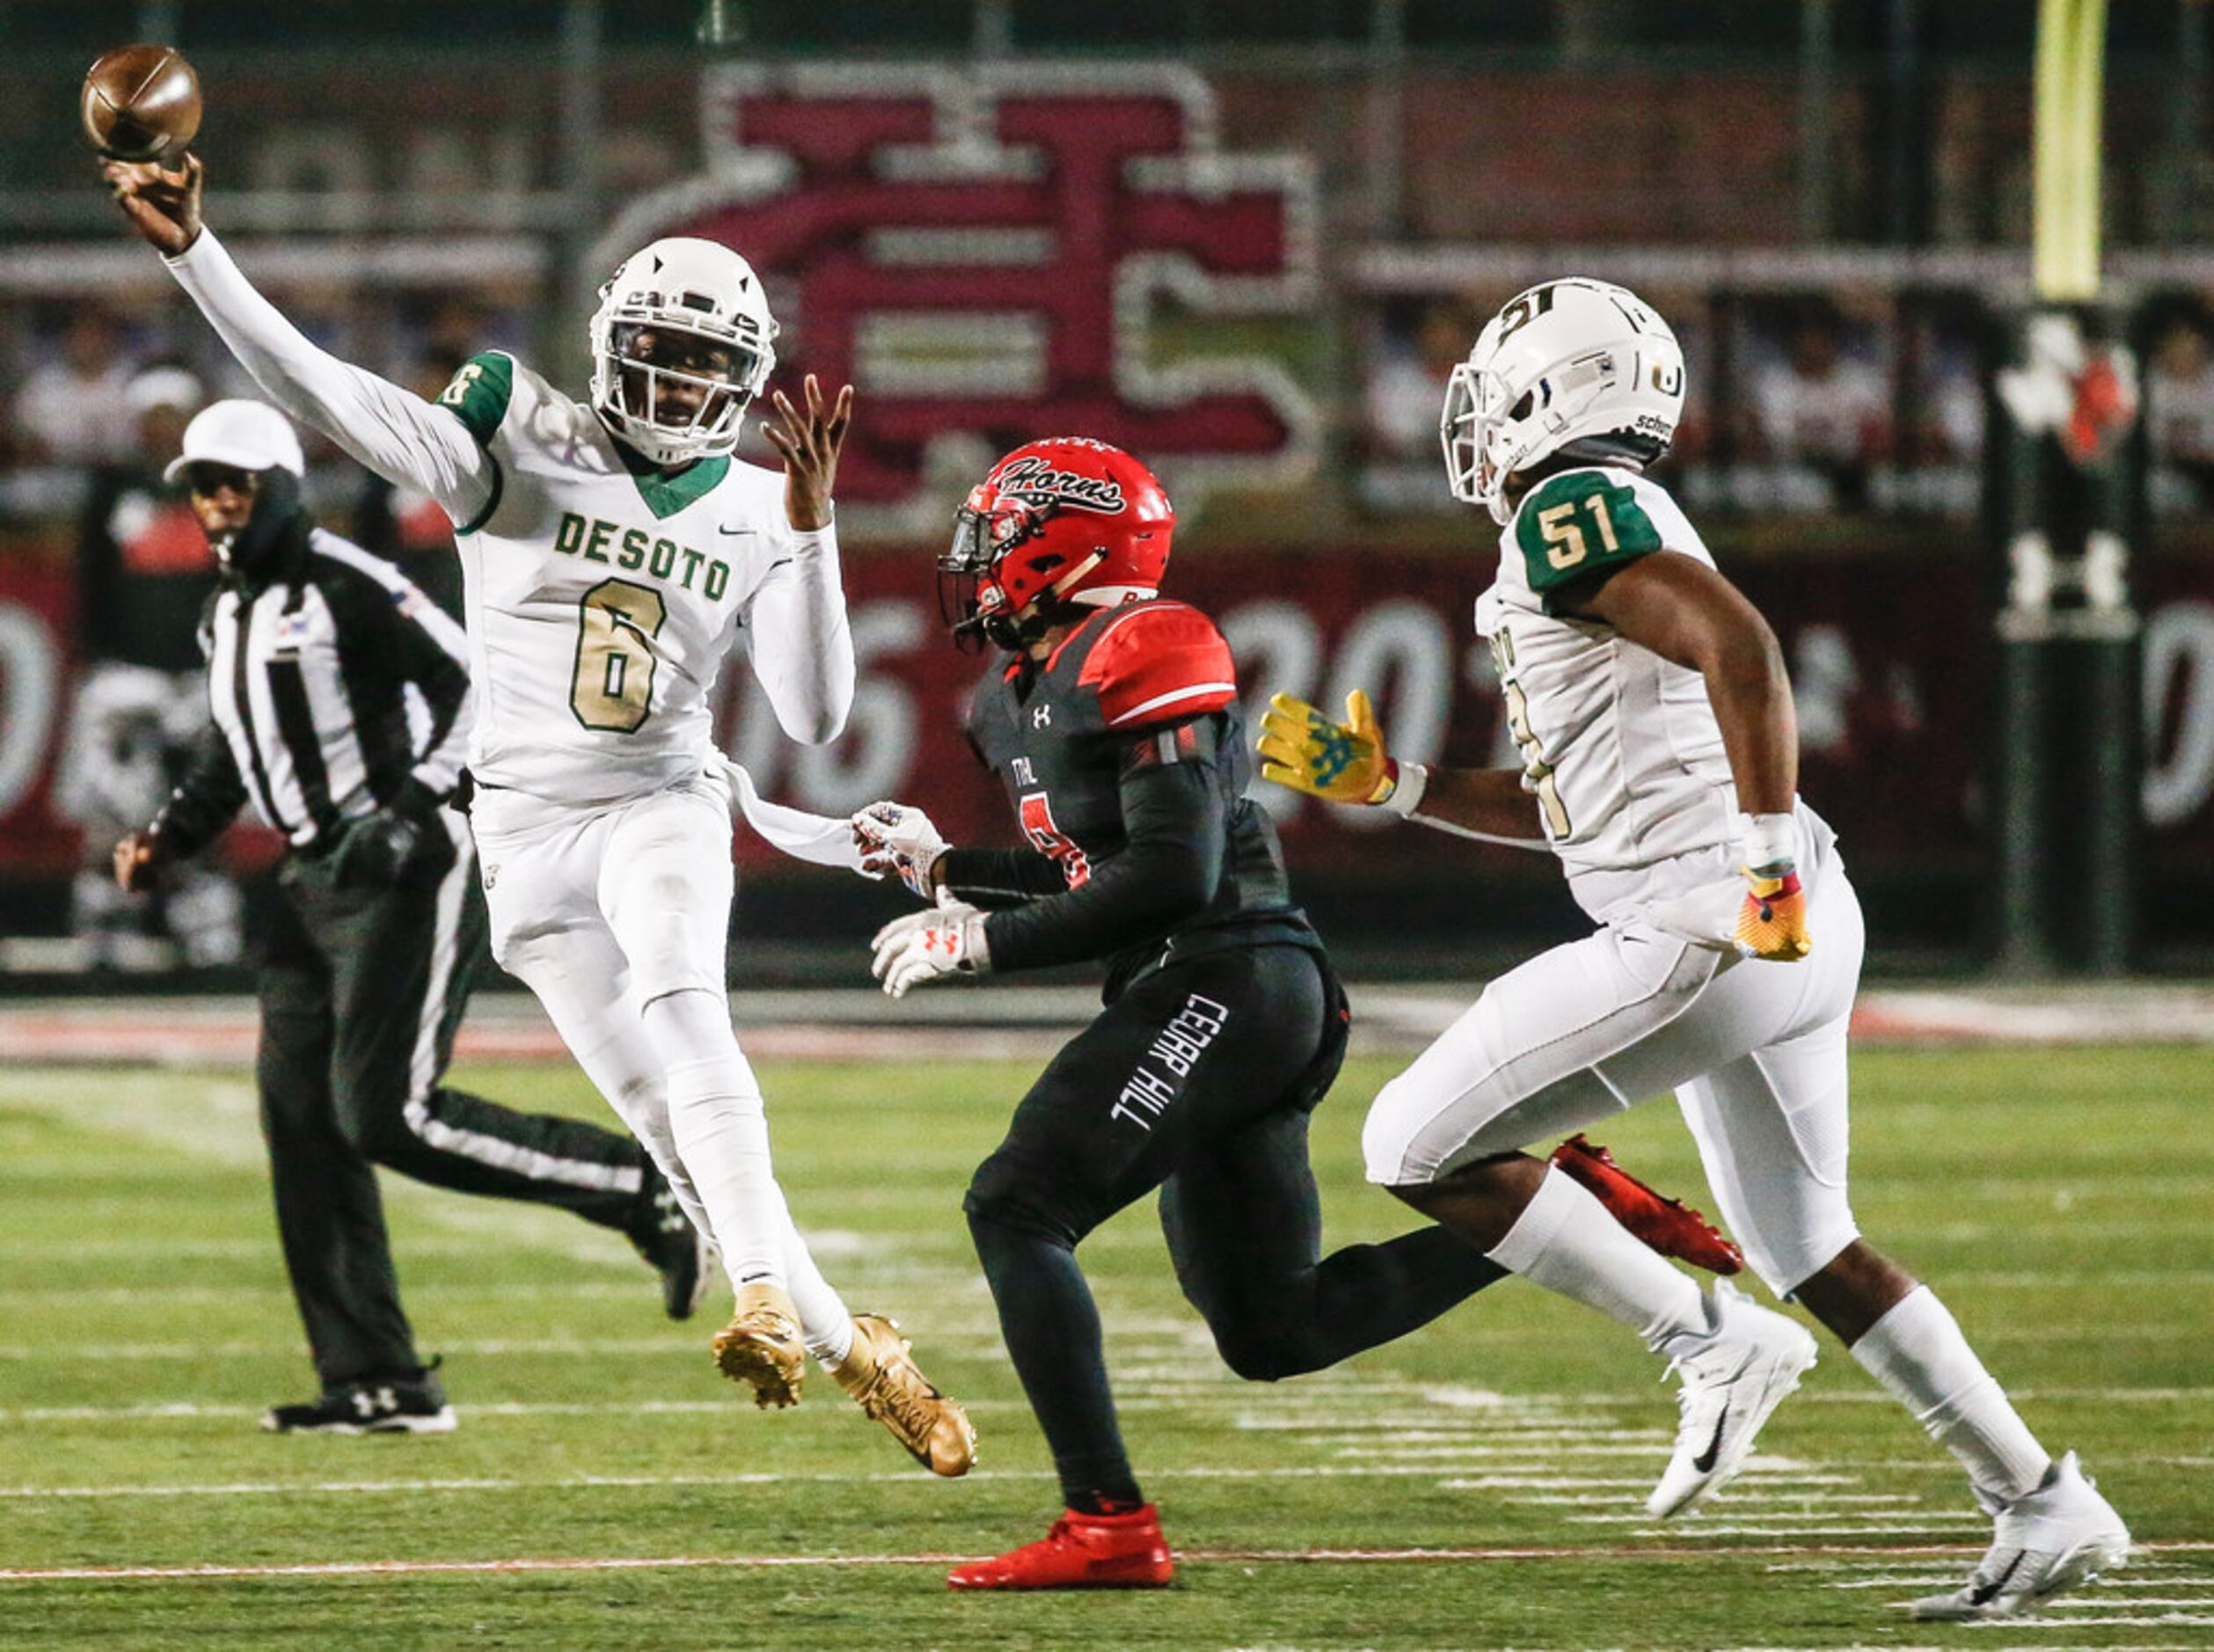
{"x": 60, "y": 1038}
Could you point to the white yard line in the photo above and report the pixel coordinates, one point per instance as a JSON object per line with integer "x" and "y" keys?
{"x": 1347, "y": 1557}
{"x": 648, "y": 1482}
{"x": 2163, "y": 1621}
{"x": 2106, "y": 1580}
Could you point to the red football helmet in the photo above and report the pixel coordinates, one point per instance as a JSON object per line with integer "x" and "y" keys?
{"x": 1066, "y": 520}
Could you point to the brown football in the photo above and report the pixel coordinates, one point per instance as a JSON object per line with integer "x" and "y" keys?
{"x": 141, "y": 103}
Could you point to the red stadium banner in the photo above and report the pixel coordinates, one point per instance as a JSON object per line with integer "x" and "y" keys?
{"x": 37, "y": 616}
{"x": 1891, "y": 697}
{"x": 1891, "y": 694}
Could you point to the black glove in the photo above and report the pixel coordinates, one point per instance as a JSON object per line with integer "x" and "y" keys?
{"x": 380, "y": 850}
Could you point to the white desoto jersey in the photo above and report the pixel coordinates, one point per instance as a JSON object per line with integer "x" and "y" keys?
{"x": 601, "y": 598}
{"x": 1620, "y": 745}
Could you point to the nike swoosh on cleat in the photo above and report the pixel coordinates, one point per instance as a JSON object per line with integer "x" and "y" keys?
{"x": 1990, "y": 1592}
{"x": 1705, "y": 1461}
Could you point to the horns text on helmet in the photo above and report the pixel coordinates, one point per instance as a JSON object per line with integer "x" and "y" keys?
{"x": 1034, "y": 481}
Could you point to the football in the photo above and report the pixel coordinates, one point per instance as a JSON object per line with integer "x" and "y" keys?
{"x": 141, "y": 103}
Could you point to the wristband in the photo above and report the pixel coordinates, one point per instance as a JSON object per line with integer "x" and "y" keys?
{"x": 1409, "y": 781}
{"x": 1768, "y": 840}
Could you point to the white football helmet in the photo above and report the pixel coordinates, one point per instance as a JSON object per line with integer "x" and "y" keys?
{"x": 681, "y": 312}
{"x": 1572, "y": 363}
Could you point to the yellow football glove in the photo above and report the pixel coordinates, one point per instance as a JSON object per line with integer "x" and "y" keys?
{"x": 1345, "y": 761}
{"x": 1772, "y": 922}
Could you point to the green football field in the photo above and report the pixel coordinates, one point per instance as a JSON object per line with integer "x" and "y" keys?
{"x": 1477, "y": 1485}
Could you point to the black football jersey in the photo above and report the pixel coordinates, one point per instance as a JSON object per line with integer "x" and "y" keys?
{"x": 1145, "y": 683}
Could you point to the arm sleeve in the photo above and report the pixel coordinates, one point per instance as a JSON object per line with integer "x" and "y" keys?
{"x": 206, "y": 800}
{"x": 415, "y": 640}
{"x": 999, "y": 878}
{"x": 802, "y": 640}
{"x": 1173, "y": 823}
{"x": 434, "y": 657}
{"x": 396, "y": 433}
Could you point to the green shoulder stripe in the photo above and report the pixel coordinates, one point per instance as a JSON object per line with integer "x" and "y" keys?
{"x": 1579, "y": 521}
{"x": 480, "y": 391}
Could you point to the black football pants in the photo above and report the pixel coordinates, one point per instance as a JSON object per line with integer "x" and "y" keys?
{"x": 1199, "y": 1081}
{"x": 361, "y": 992}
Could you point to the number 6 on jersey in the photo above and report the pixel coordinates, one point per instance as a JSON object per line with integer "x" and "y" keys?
{"x": 613, "y": 687}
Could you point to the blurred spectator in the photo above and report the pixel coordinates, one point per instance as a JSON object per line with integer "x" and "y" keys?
{"x": 410, "y": 528}
{"x": 1416, "y": 351}
{"x": 75, "y": 410}
{"x": 2179, "y": 403}
{"x": 144, "y": 572}
{"x": 1821, "y": 407}
{"x": 1407, "y": 385}
{"x": 1946, "y": 426}
{"x": 1937, "y": 453}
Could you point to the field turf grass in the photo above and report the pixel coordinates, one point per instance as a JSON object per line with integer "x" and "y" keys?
{"x": 2059, "y": 1199}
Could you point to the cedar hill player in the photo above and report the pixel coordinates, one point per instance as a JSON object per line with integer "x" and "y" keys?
{"x": 610, "y": 553}
{"x": 1114, "y": 723}
{"x": 1661, "y": 761}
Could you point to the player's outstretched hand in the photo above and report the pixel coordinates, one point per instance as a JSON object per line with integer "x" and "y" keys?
{"x": 899, "y": 841}
{"x": 163, "y": 204}
{"x": 926, "y": 947}
{"x": 809, "y": 443}
{"x": 1346, "y": 761}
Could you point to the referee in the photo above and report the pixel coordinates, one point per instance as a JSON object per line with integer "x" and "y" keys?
{"x": 340, "y": 699}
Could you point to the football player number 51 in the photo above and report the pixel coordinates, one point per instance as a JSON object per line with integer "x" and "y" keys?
{"x": 613, "y": 687}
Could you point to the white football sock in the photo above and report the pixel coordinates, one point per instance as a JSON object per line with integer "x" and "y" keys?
{"x": 1918, "y": 1353}
{"x": 644, "y": 1107}
{"x": 824, "y": 1324}
{"x": 721, "y": 1133}
{"x": 1566, "y": 1240}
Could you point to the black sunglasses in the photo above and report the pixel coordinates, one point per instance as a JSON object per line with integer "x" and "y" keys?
{"x": 206, "y": 479}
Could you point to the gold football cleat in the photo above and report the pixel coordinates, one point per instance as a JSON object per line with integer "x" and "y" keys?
{"x": 890, "y": 1388}
{"x": 761, "y": 1346}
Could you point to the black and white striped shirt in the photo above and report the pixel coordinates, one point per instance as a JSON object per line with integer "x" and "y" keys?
{"x": 336, "y": 688}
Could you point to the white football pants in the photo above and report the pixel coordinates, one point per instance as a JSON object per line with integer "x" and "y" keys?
{"x": 600, "y": 910}
{"x": 1755, "y": 1052}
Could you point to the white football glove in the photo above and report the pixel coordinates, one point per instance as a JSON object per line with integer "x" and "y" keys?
{"x": 897, "y": 839}
{"x": 925, "y": 946}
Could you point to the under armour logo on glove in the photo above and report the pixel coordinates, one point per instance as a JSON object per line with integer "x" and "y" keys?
{"x": 894, "y": 838}
{"x": 1041, "y": 718}
{"x": 925, "y": 946}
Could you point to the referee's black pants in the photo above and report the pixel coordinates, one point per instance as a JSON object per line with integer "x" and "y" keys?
{"x": 361, "y": 992}
{"x": 1199, "y": 1080}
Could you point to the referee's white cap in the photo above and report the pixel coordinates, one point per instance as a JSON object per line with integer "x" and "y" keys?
{"x": 248, "y": 435}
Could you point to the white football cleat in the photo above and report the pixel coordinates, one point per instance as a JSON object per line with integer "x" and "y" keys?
{"x": 1732, "y": 1378}
{"x": 2060, "y": 1535}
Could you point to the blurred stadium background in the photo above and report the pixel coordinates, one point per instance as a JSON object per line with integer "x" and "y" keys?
{"x": 1247, "y": 239}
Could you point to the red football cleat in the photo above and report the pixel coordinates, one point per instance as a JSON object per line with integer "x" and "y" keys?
{"x": 1669, "y": 1225}
{"x": 1083, "y": 1551}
